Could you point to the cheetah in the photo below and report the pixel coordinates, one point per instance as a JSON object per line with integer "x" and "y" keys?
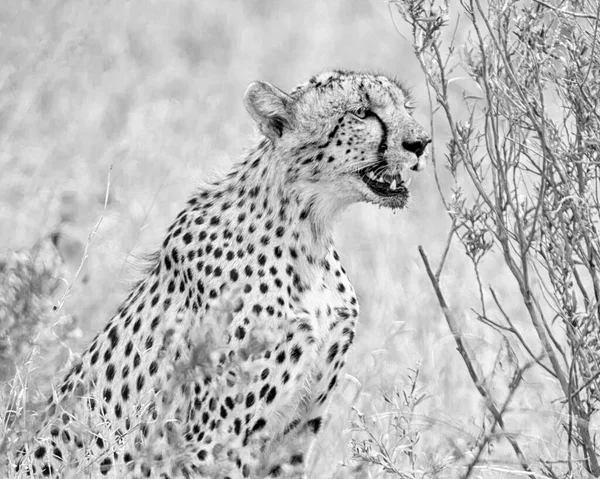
{"x": 222, "y": 361}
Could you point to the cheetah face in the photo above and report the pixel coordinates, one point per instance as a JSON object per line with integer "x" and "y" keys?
{"x": 377, "y": 166}
{"x": 351, "y": 135}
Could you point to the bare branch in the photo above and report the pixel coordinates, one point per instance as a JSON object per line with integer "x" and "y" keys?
{"x": 561, "y": 11}
{"x": 469, "y": 362}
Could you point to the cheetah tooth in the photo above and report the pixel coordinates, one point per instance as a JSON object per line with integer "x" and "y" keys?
{"x": 393, "y": 185}
{"x": 407, "y": 182}
{"x": 371, "y": 175}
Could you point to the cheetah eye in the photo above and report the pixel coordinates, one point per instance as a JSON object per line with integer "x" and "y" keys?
{"x": 361, "y": 113}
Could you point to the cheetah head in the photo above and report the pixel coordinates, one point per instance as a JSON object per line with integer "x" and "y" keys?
{"x": 346, "y": 136}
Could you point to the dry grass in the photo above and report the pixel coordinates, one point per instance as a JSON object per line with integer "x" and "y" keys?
{"x": 153, "y": 90}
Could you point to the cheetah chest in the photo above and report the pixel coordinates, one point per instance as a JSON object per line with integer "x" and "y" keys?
{"x": 331, "y": 308}
{"x": 329, "y": 303}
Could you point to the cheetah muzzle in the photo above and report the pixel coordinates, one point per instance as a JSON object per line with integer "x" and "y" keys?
{"x": 383, "y": 183}
{"x": 222, "y": 361}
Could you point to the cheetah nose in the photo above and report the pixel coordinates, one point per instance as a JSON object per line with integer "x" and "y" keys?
{"x": 416, "y": 146}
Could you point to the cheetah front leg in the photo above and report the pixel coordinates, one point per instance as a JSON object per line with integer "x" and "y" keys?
{"x": 331, "y": 359}
{"x": 292, "y": 453}
{"x": 279, "y": 398}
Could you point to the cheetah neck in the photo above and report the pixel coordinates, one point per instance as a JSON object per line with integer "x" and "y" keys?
{"x": 261, "y": 196}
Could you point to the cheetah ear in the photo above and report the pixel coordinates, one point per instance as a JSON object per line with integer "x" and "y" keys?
{"x": 270, "y": 108}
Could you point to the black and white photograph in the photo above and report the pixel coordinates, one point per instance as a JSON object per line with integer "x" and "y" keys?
{"x": 317, "y": 239}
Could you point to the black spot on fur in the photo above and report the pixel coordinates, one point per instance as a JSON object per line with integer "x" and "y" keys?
{"x": 263, "y": 391}
{"x": 240, "y": 333}
{"x": 333, "y": 350}
{"x": 295, "y": 354}
{"x": 314, "y": 425}
{"x": 275, "y": 471}
{"x": 40, "y": 452}
{"x": 140, "y": 382}
{"x": 113, "y": 336}
{"x": 271, "y": 394}
{"x": 260, "y": 424}
{"x": 125, "y": 392}
{"x": 105, "y": 466}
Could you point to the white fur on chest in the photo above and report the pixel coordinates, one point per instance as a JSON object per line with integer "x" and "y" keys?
{"x": 322, "y": 302}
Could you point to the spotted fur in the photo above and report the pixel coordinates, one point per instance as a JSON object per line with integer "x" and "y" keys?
{"x": 223, "y": 359}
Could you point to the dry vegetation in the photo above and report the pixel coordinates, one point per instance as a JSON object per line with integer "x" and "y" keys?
{"x": 109, "y": 113}
{"x": 524, "y": 165}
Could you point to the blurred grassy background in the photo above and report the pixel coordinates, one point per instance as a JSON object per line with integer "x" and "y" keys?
{"x": 154, "y": 88}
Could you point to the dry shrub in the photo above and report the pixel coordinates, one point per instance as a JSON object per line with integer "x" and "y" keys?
{"x": 521, "y": 188}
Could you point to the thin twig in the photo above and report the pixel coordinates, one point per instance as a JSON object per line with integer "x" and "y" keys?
{"x": 512, "y": 329}
{"x": 446, "y": 249}
{"x": 513, "y": 386}
{"x": 566, "y": 12}
{"x": 469, "y": 362}
{"x": 84, "y": 257}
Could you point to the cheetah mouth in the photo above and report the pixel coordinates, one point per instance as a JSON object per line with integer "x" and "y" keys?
{"x": 383, "y": 183}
